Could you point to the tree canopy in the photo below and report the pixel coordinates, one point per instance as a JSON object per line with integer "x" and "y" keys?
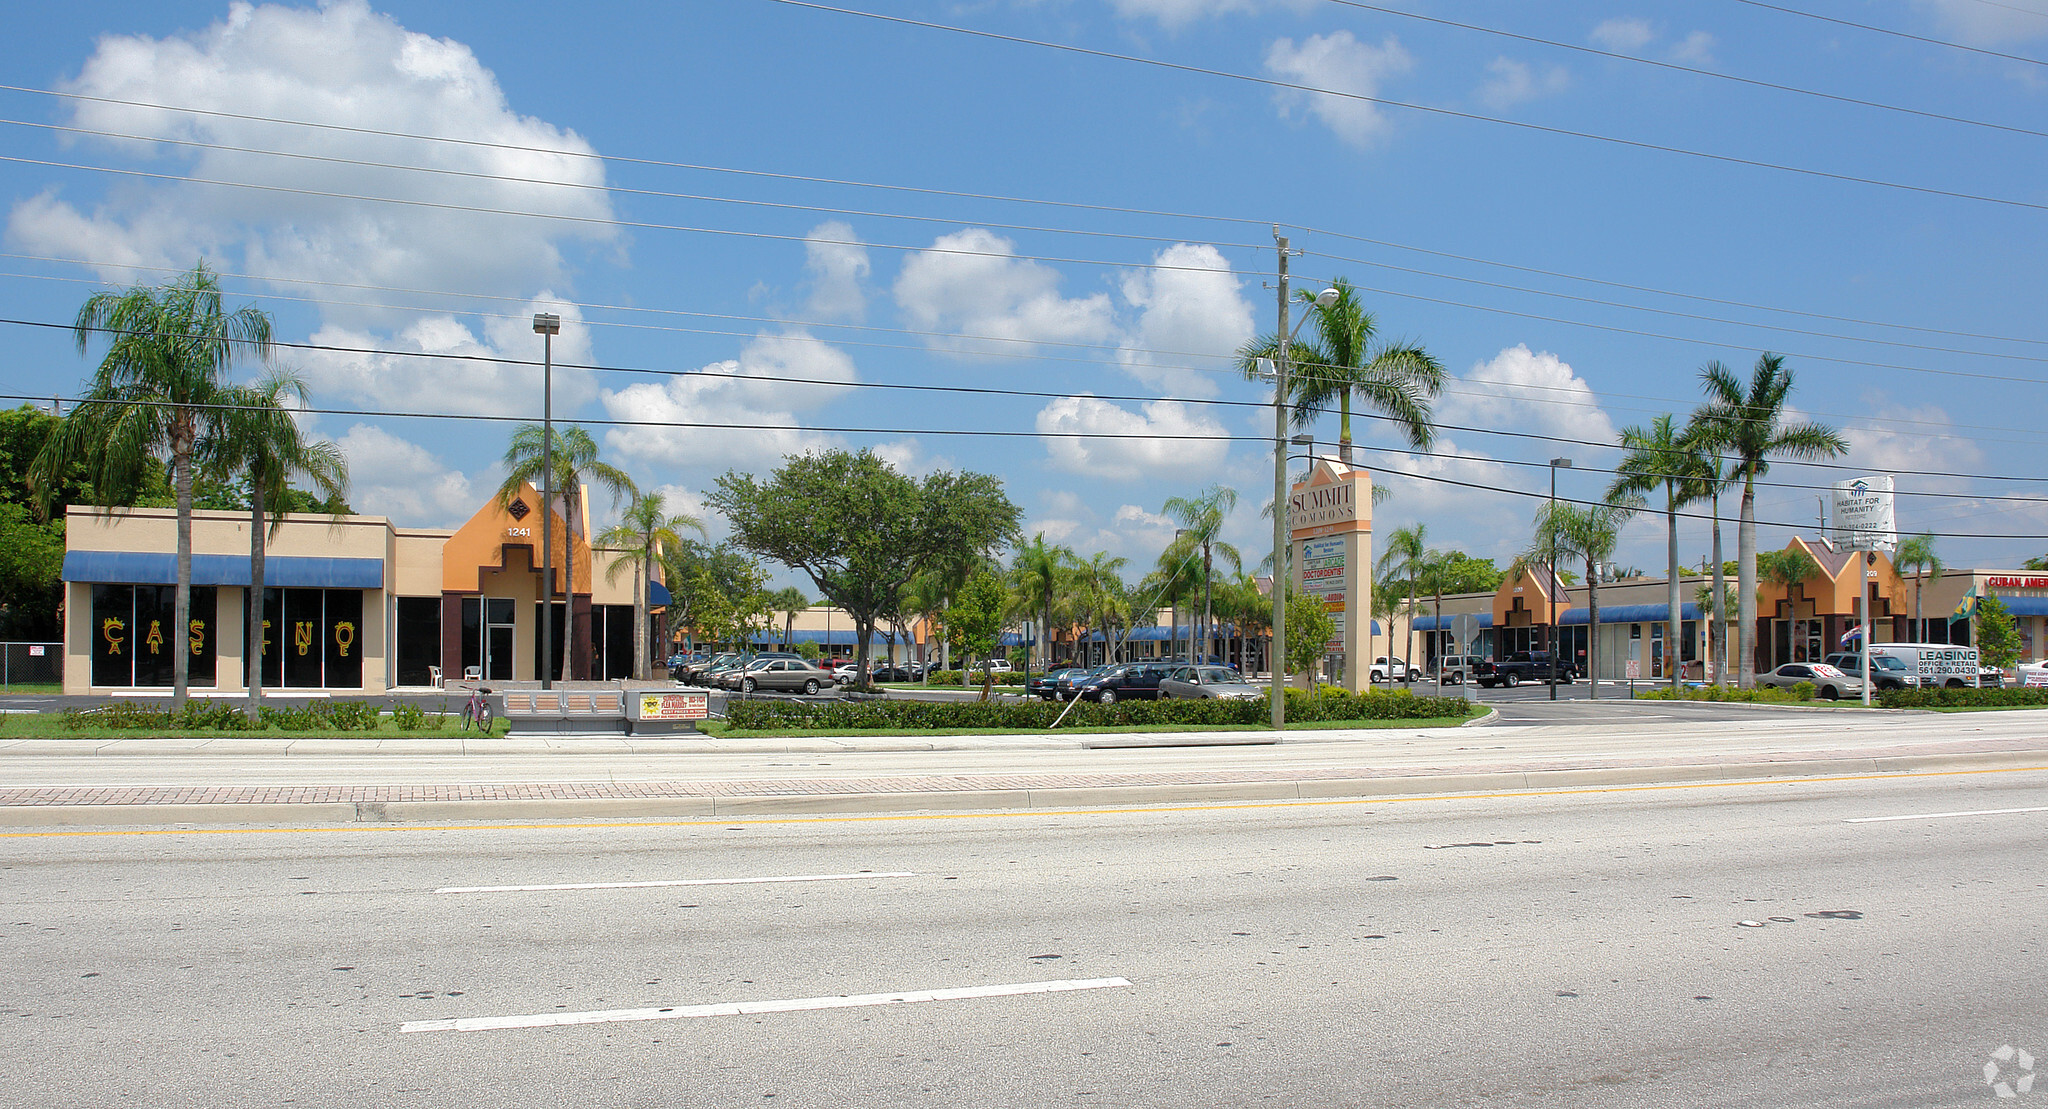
{"x": 859, "y": 529}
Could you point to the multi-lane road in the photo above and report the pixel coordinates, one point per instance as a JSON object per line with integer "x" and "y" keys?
{"x": 1847, "y": 942}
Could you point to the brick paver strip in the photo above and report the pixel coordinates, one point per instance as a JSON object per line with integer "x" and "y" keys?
{"x": 927, "y": 783}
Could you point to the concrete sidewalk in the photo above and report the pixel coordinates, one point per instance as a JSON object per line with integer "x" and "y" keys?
{"x": 257, "y": 780}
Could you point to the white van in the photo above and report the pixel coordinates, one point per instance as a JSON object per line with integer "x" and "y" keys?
{"x": 1937, "y": 665}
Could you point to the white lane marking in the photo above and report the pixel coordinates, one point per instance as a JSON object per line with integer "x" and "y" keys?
{"x": 1940, "y": 815}
{"x": 739, "y": 1008}
{"x": 679, "y": 882}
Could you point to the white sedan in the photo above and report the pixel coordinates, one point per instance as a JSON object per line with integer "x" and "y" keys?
{"x": 1829, "y": 683}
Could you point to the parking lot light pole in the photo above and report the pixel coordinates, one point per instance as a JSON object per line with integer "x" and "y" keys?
{"x": 1550, "y": 625}
{"x": 547, "y": 325}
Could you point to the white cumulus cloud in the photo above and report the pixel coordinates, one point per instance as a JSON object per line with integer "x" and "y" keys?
{"x": 438, "y": 364}
{"x": 1191, "y": 318}
{"x": 837, "y": 262}
{"x": 1623, "y": 35}
{"x": 739, "y": 408}
{"x": 397, "y": 478}
{"x": 1090, "y": 436}
{"x": 1341, "y": 63}
{"x": 340, "y": 64}
{"x": 976, "y": 297}
{"x": 1510, "y": 82}
{"x": 1989, "y": 24}
{"x": 1521, "y": 390}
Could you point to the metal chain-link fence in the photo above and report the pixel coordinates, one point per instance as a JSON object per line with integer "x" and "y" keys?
{"x": 31, "y": 664}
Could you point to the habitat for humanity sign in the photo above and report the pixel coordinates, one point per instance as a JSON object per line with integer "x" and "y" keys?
{"x": 1322, "y": 577}
{"x": 1863, "y": 515}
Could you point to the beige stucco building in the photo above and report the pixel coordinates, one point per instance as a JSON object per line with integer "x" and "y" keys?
{"x": 350, "y": 603}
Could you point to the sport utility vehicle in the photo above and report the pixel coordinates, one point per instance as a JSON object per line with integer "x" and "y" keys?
{"x": 1457, "y": 669}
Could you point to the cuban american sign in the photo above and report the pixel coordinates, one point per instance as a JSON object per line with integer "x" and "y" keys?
{"x": 1863, "y": 515}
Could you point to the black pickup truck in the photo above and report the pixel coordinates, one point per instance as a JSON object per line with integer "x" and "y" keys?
{"x": 1519, "y": 667}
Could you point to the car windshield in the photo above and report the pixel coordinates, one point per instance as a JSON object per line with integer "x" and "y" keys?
{"x": 1886, "y": 662}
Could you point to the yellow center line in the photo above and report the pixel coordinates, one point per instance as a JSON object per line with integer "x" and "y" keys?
{"x": 1011, "y": 814}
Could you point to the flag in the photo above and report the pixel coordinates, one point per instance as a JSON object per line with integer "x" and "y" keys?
{"x": 1965, "y": 608}
{"x": 1852, "y": 635}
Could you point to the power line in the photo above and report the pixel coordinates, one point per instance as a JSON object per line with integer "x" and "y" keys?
{"x": 1694, "y": 70}
{"x": 1452, "y": 113}
{"x": 1044, "y": 394}
{"x": 1113, "y": 209}
{"x": 1894, "y": 33}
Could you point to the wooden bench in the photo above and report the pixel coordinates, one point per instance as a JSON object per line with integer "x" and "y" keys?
{"x": 533, "y": 710}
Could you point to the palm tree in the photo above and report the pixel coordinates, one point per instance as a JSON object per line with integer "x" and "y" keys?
{"x": 575, "y": 459}
{"x": 155, "y": 393}
{"x": 1708, "y": 477}
{"x": 1434, "y": 577}
{"x": 1040, "y": 569}
{"x": 645, "y": 528}
{"x": 1393, "y": 379}
{"x": 790, "y": 602}
{"x": 1588, "y": 532}
{"x": 1657, "y": 456}
{"x": 1203, "y": 516}
{"x": 1746, "y": 424}
{"x": 258, "y": 438}
{"x": 1916, "y": 556}
{"x": 1405, "y": 554}
{"x": 1099, "y": 586}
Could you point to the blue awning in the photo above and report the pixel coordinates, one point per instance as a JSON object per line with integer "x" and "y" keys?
{"x": 1630, "y": 614}
{"x": 2025, "y": 606}
{"x": 837, "y": 637}
{"x": 657, "y": 594}
{"x": 279, "y": 571}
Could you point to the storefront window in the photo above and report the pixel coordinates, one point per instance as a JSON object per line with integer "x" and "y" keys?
{"x": 134, "y": 636}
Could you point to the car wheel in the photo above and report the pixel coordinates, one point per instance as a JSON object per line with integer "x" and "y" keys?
{"x": 1511, "y": 680}
{"x": 1830, "y": 693}
{"x": 810, "y": 686}
{"x": 1106, "y": 697}
{"x": 747, "y": 686}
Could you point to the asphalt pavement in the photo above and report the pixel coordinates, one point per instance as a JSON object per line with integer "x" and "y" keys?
{"x": 1529, "y": 746}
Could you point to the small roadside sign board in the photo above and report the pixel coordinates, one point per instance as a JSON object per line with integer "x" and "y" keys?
{"x": 1863, "y": 514}
{"x": 682, "y": 705}
{"x": 1634, "y": 670}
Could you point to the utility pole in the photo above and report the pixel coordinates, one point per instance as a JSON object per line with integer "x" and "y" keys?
{"x": 1279, "y": 651}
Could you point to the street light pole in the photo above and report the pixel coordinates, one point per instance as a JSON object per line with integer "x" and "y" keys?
{"x": 547, "y": 325}
{"x": 1550, "y": 625}
{"x": 1280, "y": 538}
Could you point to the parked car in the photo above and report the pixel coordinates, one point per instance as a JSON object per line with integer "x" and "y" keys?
{"x": 1220, "y": 683}
{"x": 1829, "y": 683}
{"x": 1457, "y": 669}
{"x": 1522, "y": 666}
{"x": 1129, "y": 681}
{"x": 2033, "y": 673}
{"x": 1886, "y": 672}
{"x": 993, "y": 666}
{"x": 1070, "y": 682}
{"x": 779, "y": 674}
{"x": 1990, "y": 677}
{"x": 1045, "y": 686}
{"x": 1386, "y": 669}
{"x": 887, "y": 672}
{"x": 707, "y": 673}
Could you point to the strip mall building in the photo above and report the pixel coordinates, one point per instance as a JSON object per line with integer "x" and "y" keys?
{"x": 350, "y": 603}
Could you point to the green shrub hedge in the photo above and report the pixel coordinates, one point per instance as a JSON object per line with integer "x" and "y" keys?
{"x": 876, "y": 715}
{"x": 1759, "y": 695}
{"x": 1962, "y": 698}
{"x": 232, "y": 716}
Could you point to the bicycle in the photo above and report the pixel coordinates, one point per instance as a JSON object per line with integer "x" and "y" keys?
{"x": 478, "y": 710}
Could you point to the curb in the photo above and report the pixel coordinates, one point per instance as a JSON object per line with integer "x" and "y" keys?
{"x": 1533, "y": 782}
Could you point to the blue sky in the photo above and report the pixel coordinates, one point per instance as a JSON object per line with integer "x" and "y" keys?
{"x": 719, "y": 197}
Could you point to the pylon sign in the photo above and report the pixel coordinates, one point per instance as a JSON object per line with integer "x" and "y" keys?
{"x": 1864, "y": 520}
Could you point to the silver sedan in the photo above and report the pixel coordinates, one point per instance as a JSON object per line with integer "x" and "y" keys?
{"x": 785, "y": 675}
{"x": 1209, "y": 683}
{"x": 1829, "y": 683}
